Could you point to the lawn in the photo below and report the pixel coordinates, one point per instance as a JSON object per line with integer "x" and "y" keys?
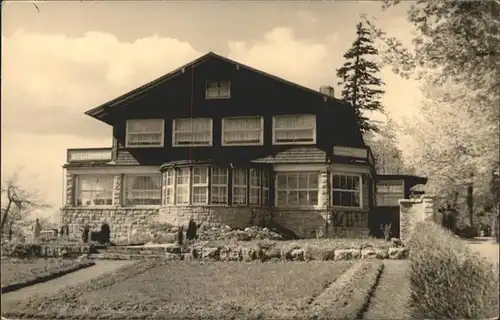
{"x": 17, "y": 271}
{"x": 212, "y": 290}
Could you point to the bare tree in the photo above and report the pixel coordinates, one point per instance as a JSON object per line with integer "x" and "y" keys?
{"x": 17, "y": 201}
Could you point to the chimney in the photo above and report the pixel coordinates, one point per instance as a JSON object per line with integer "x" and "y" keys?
{"x": 327, "y": 90}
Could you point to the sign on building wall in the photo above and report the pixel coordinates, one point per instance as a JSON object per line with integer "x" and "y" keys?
{"x": 350, "y": 152}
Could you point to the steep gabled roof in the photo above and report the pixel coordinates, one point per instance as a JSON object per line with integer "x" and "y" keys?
{"x": 101, "y": 110}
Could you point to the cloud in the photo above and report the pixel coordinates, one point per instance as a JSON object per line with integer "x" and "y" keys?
{"x": 306, "y": 17}
{"x": 282, "y": 54}
{"x": 50, "y": 80}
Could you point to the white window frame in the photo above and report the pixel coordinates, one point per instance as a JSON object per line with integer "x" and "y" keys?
{"x": 253, "y": 187}
{"x": 200, "y": 185}
{"x": 298, "y": 205}
{"x": 127, "y": 132}
{"x": 187, "y": 184}
{"x": 389, "y": 194}
{"x": 332, "y": 189}
{"x": 313, "y": 141}
{"x": 240, "y": 186}
{"x": 217, "y": 89}
{"x": 218, "y": 185}
{"x": 127, "y": 178}
{"x": 170, "y": 187}
{"x": 191, "y": 145}
{"x": 224, "y": 130}
{"x": 78, "y": 190}
{"x": 265, "y": 181}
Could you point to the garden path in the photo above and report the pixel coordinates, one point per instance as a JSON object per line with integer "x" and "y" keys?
{"x": 71, "y": 279}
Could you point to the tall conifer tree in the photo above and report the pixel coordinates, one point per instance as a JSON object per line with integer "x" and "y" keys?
{"x": 360, "y": 85}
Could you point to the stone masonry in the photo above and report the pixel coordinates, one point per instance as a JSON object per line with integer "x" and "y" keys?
{"x": 117, "y": 187}
{"x": 413, "y": 211}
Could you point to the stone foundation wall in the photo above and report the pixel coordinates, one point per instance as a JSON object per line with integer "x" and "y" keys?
{"x": 308, "y": 223}
{"x": 236, "y": 217}
{"x": 119, "y": 220}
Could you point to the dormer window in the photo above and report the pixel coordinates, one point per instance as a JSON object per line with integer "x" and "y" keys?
{"x": 218, "y": 90}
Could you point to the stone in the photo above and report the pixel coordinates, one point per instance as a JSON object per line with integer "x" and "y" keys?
{"x": 230, "y": 254}
{"x": 297, "y": 255}
{"x": 251, "y": 254}
{"x": 172, "y": 256}
{"x": 347, "y": 254}
{"x": 397, "y": 243}
{"x": 271, "y": 253}
{"x": 82, "y": 257}
{"x": 374, "y": 253}
{"x": 327, "y": 254}
{"x": 398, "y": 253}
{"x": 242, "y": 236}
{"x": 211, "y": 253}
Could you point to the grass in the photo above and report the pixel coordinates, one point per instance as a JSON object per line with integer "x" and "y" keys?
{"x": 447, "y": 279}
{"x": 392, "y": 294}
{"x": 15, "y": 272}
{"x": 188, "y": 289}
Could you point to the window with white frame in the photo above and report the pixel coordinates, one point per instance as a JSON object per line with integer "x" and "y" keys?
{"x": 346, "y": 190}
{"x": 145, "y": 133}
{"x": 388, "y": 193}
{"x": 294, "y": 129}
{"x": 192, "y": 132}
{"x": 219, "y": 182}
{"x": 94, "y": 190}
{"x": 200, "y": 185}
{"x": 239, "y": 186}
{"x": 265, "y": 188}
{"x": 182, "y": 186}
{"x": 242, "y": 131}
{"x": 255, "y": 186}
{"x": 170, "y": 186}
{"x": 218, "y": 90}
{"x": 297, "y": 189}
{"x": 142, "y": 189}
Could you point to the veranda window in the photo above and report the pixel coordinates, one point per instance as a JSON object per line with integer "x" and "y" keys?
{"x": 200, "y": 185}
{"x": 242, "y": 131}
{"x": 265, "y": 188}
{"x": 389, "y": 193}
{"x": 170, "y": 185}
{"x": 182, "y": 186}
{"x": 296, "y": 189}
{"x": 145, "y": 133}
{"x": 143, "y": 189}
{"x": 255, "y": 186}
{"x": 219, "y": 186}
{"x": 94, "y": 190}
{"x": 294, "y": 129}
{"x": 218, "y": 90}
{"x": 346, "y": 190}
{"x": 192, "y": 132}
{"x": 239, "y": 186}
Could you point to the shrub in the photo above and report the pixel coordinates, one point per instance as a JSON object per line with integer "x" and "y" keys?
{"x": 180, "y": 236}
{"x": 85, "y": 234}
{"x": 105, "y": 233}
{"x": 191, "y": 230}
{"x": 447, "y": 279}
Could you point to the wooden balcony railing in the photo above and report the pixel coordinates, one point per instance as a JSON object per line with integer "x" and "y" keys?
{"x": 88, "y": 155}
{"x": 364, "y": 153}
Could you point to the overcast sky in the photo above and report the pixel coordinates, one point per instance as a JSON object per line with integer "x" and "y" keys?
{"x": 73, "y": 56}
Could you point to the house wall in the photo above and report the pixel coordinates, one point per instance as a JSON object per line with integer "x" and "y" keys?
{"x": 252, "y": 94}
{"x": 321, "y": 220}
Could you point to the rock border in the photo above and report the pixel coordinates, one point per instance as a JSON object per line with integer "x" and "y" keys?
{"x": 45, "y": 278}
{"x": 255, "y": 253}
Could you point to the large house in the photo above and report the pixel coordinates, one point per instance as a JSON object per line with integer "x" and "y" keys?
{"x": 224, "y": 143}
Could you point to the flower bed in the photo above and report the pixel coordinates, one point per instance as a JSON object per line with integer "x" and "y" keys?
{"x": 17, "y": 274}
{"x": 184, "y": 290}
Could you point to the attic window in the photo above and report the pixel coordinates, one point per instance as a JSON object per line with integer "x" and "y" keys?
{"x": 218, "y": 90}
